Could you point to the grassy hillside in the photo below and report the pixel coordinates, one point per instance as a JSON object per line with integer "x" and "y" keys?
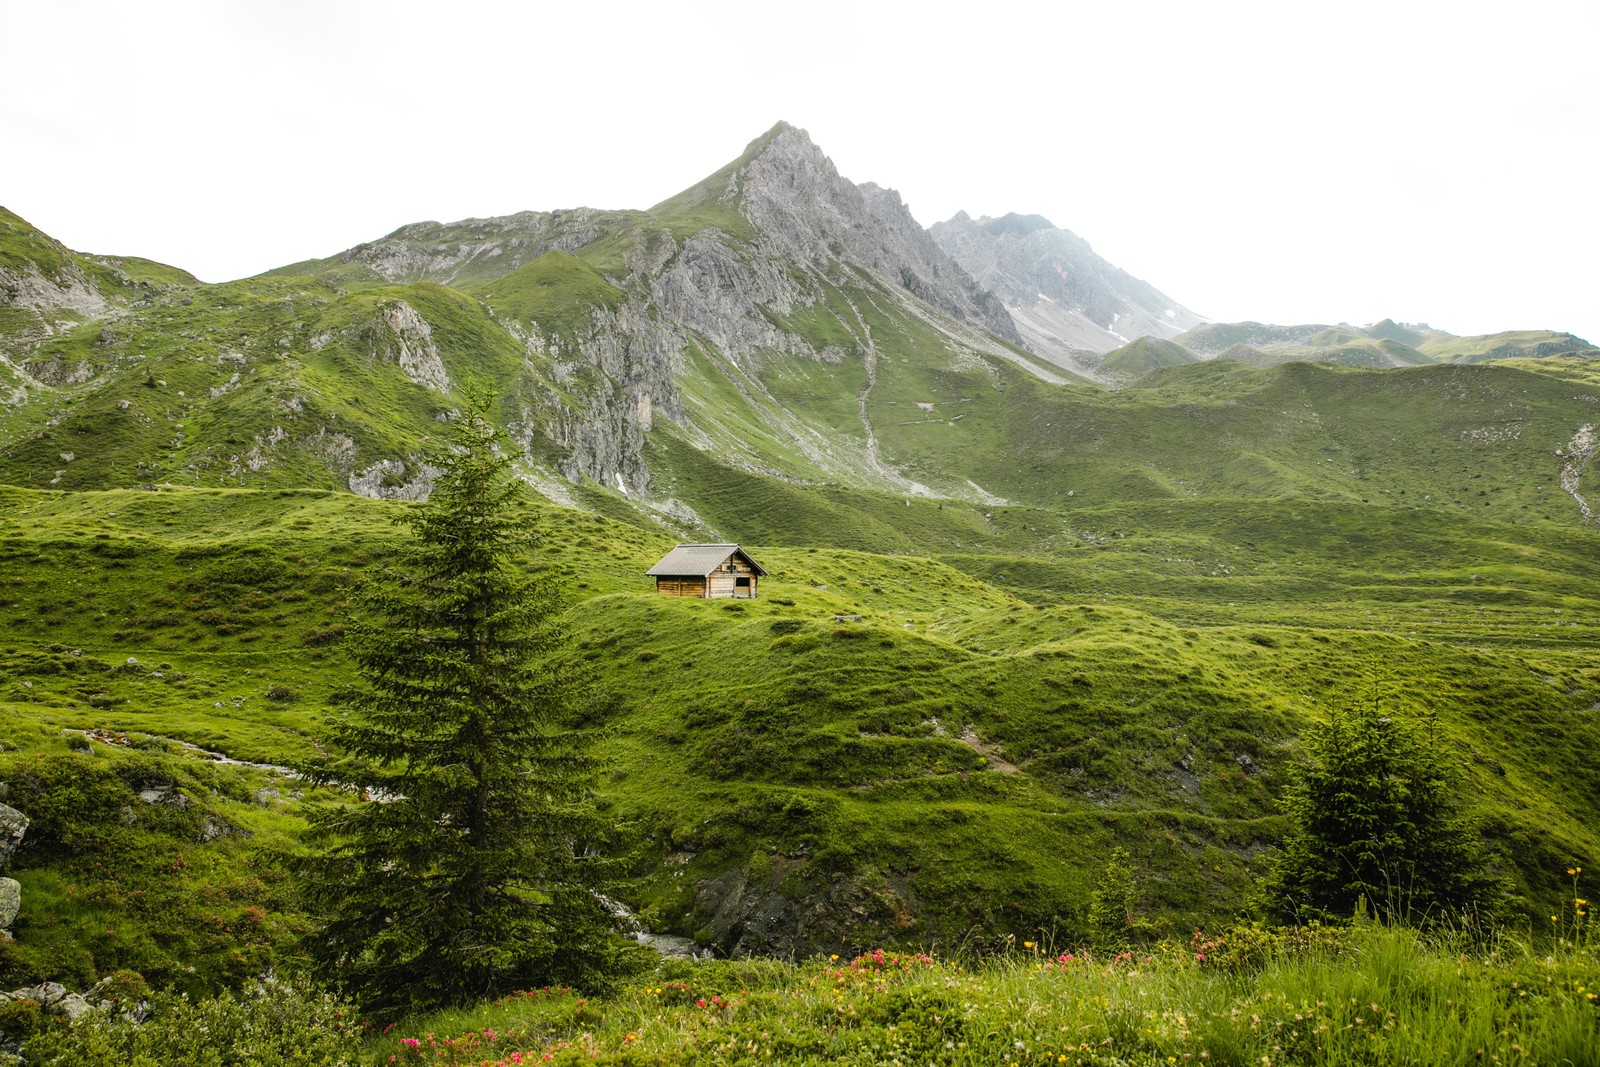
{"x": 955, "y": 764}
{"x": 1144, "y": 355}
{"x": 1012, "y": 623}
{"x": 48, "y": 284}
{"x": 1383, "y": 344}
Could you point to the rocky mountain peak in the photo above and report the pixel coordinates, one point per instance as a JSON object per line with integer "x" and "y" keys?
{"x": 804, "y": 209}
{"x": 1014, "y": 224}
{"x": 787, "y": 152}
{"x": 1071, "y": 305}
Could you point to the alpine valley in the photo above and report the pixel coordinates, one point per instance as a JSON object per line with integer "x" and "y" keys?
{"x": 1055, "y": 566}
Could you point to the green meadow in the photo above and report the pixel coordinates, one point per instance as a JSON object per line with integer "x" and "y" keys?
{"x": 885, "y": 749}
{"x": 1012, "y": 632}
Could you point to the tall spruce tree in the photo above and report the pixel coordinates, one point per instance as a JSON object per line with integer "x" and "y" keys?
{"x": 473, "y": 871}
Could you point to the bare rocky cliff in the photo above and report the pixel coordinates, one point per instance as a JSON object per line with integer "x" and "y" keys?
{"x": 1069, "y": 304}
{"x": 457, "y": 253}
{"x": 804, "y": 209}
{"x": 725, "y": 268}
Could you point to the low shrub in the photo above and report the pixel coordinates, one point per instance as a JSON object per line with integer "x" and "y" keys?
{"x": 273, "y": 1024}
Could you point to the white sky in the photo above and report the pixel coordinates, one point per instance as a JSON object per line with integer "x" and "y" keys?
{"x": 1434, "y": 162}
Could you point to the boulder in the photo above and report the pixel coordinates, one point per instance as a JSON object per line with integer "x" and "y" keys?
{"x": 73, "y": 1006}
{"x": 48, "y": 994}
{"x": 13, "y": 824}
{"x": 10, "y": 901}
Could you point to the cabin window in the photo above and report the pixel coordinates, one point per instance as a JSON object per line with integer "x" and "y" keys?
{"x": 741, "y": 583}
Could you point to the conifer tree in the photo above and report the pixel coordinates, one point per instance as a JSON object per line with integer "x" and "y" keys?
{"x": 1375, "y": 816}
{"x": 472, "y": 872}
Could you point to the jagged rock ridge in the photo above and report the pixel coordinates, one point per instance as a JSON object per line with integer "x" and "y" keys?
{"x": 722, "y": 267}
{"x": 1069, "y": 304}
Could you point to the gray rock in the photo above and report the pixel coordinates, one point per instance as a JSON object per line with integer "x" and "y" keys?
{"x": 48, "y": 994}
{"x": 13, "y": 824}
{"x": 73, "y": 1006}
{"x": 10, "y": 901}
{"x": 801, "y": 235}
{"x": 1070, "y": 305}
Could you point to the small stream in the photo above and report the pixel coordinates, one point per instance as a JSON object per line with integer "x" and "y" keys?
{"x": 668, "y": 945}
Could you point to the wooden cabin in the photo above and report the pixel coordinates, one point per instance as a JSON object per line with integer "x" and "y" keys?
{"x": 707, "y": 571}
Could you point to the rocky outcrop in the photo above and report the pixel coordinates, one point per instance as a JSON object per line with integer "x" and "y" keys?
{"x": 58, "y": 372}
{"x": 67, "y": 296}
{"x": 13, "y": 825}
{"x": 400, "y": 335}
{"x": 803, "y": 209}
{"x": 121, "y": 991}
{"x": 449, "y": 253}
{"x": 745, "y": 913}
{"x": 390, "y": 479}
{"x": 1069, "y": 304}
{"x": 10, "y": 904}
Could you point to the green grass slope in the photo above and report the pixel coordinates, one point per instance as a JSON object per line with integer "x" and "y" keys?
{"x": 49, "y": 283}
{"x": 1146, "y": 354}
{"x": 285, "y": 382}
{"x": 1510, "y": 344}
{"x": 884, "y": 747}
{"x": 1383, "y": 344}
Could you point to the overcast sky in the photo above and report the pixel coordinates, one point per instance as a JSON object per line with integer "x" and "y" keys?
{"x": 1429, "y": 162}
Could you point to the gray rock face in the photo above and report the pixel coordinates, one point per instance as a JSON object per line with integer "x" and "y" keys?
{"x": 1069, "y": 303}
{"x": 387, "y": 479}
{"x": 450, "y": 253}
{"x": 805, "y": 210}
{"x": 404, "y": 337}
{"x": 13, "y": 824}
{"x": 778, "y": 233}
{"x": 10, "y": 901}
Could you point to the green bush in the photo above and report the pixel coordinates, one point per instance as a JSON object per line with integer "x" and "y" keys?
{"x": 1377, "y": 823}
{"x": 278, "y": 1024}
{"x": 20, "y": 1019}
{"x": 113, "y": 882}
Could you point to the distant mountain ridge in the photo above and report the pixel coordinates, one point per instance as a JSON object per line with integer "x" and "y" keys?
{"x": 1070, "y": 304}
{"x": 1383, "y": 344}
{"x": 774, "y": 325}
{"x": 759, "y": 314}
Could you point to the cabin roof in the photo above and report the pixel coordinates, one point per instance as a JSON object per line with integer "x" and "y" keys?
{"x": 699, "y": 561}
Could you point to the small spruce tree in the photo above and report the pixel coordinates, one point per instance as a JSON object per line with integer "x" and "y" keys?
{"x": 1115, "y": 906}
{"x": 473, "y": 871}
{"x": 1375, "y": 817}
